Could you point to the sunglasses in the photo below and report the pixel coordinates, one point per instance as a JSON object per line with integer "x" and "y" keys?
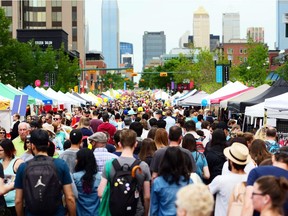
{"x": 2, "y": 132}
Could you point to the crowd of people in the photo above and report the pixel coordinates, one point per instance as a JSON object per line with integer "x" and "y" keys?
{"x": 170, "y": 160}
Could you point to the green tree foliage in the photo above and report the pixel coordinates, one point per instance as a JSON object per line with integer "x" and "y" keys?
{"x": 115, "y": 81}
{"x": 253, "y": 72}
{"x": 4, "y": 28}
{"x": 282, "y": 71}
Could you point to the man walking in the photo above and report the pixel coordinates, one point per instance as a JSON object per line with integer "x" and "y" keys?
{"x": 39, "y": 144}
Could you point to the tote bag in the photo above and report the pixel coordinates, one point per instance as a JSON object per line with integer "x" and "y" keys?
{"x": 236, "y": 205}
{"x": 104, "y": 205}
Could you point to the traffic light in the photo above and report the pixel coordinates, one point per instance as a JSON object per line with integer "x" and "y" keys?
{"x": 76, "y": 88}
{"x": 130, "y": 70}
{"x": 134, "y": 74}
{"x": 163, "y": 74}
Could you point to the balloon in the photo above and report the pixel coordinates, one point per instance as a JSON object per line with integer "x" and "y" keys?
{"x": 204, "y": 102}
{"x": 105, "y": 100}
{"x": 37, "y": 83}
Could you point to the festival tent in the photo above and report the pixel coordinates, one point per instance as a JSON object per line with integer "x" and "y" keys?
{"x": 188, "y": 94}
{"x": 73, "y": 101}
{"x": 194, "y": 100}
{"x": 29, "y": 90}
{"x": 233, "y": 104}
{"x": 46, "y": 94}
{"x": 89, "y": 98}
{"x": 279, "y": 87}
{"x": 225, "y": 90}
{"x": 81, "y": 100}
{"x": 78, "y": 95}
{"x": 279, "y": 103}
{"x": 99, "y": 100}
{"x": 10, "y": 93}
{"x": 161, "y": 95}
{"x": 258, "y": 110}
{"x": 225, "y": 97}
{"x": 111, "y": 93}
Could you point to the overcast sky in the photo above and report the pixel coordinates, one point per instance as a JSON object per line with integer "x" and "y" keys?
{"x": 175, "y": 17}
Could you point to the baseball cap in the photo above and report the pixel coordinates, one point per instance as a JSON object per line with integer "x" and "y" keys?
{"x": 75, "y": 136}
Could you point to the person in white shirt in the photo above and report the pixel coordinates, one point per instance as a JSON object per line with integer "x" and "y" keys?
{"x": 222, "y": 185}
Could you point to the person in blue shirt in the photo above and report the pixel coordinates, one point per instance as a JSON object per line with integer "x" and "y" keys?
{"x": 39, "y": 145}
{"x": 174, "y": 173}
{"x": 87, "y": 181}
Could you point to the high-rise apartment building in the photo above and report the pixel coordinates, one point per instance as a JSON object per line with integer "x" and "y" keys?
{"x": 49, "y": 14}
{"x": 230, "y": 27}
{"x": 126, "y": 54}
{"x": 282, "y": 24}
{"x": 201, "y": 29}
{"x": 183, "y": 40}
{"x": 154, "y": 45}
{"x": 256, "y": 34}
{"x": 110, "y": 33}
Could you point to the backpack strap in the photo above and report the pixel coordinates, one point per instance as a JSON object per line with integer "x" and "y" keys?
{"x": 116, "y": 165}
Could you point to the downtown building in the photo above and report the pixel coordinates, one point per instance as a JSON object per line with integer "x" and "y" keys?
{"x": 126, "y": 55}
{"x": 230, "y": 27}
{"x": 201, "y": 29}
{"x": 49, "y": 14}
{"x": 110, "y": 33}
{"x": 282, "y": 24}
{"x": 256, "y": 34}
{"x": 154, "y": 45}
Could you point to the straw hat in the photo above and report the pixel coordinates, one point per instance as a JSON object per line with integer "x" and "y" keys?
{"x": 238, "y": 153}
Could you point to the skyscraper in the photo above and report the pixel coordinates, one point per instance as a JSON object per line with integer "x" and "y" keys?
{"x": 230, "y": 27}
{"x": 201, "y": 29}
{"x": 154, "y": 45}
{"x": 256, "y": 34}
{"x": 282, "y": 24}
{"x": 110, "y": 33}
{"x": 126, "y": 54}
{"x": 50, "y": 14}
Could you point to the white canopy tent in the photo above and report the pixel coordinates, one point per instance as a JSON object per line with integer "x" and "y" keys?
{"x": 225, "y": 90}
{"x": 192, "y": 92}
{"x": 279, "y": 103}
{"x": 194, "y": 100}
{"x": 258, "y": 110}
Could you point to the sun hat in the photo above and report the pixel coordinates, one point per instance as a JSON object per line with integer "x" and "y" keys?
{"x": 49, "y": 128}
{"x": 238, "y": 153}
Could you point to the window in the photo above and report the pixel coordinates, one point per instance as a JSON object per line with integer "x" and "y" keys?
{"x": 240, "y": 51}
{"x": 8, "y": 11}
{"x": 229, "y": 51}
{"x": 56, "y": 16}
{"x": 74, "y": 2}
{"x": 56, "y": 3}
{"x": 286, "y": 30}
{"x": 245, "y": 59}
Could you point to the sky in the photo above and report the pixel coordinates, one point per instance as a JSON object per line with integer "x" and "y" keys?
{"x": 175, "y": 17}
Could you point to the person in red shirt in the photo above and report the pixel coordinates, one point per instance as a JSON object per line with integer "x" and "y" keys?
{"x": 108, "y": 127}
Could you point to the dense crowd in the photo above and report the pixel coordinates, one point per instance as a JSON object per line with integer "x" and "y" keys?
{"x": 140, "y": 156}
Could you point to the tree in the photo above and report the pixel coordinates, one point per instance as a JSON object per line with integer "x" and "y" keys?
{"x": 4, "y": 28}
{"x": 253, "y": 72}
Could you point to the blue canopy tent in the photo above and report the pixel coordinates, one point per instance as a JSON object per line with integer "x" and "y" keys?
{"x": 29, "y": 90}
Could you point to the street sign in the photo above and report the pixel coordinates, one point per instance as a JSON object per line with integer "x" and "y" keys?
{"x": 219, "y": 73}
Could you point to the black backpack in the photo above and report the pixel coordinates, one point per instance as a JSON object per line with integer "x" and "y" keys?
{"x": 125, "y": 189}
{"x": 42, "y": 188}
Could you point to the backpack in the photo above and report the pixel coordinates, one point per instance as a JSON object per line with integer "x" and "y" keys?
{"x": 42, "y": 188}
{"x": 125, "y": 189}
{"x": 272, "y": 147}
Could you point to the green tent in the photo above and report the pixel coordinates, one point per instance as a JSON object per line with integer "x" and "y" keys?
{"x": 10, "y": 92}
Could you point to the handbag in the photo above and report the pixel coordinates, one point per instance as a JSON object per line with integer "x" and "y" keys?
{"x": 236, "y": 205}
{"x": 104, "y": 204}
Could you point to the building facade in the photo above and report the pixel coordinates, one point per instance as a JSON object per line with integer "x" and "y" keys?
{"x": 110, "y": 33}
{"x": 256, "y": 34}
{"x": 154, "y": 45}
{"x": 230, "y": 27}
{"x": 49, "y": 14}
{"x": 201, "y": 29}
{"x": 126, "y": 54}
{"x": 282, "y": 24}
{"x": 236, "y": 51}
